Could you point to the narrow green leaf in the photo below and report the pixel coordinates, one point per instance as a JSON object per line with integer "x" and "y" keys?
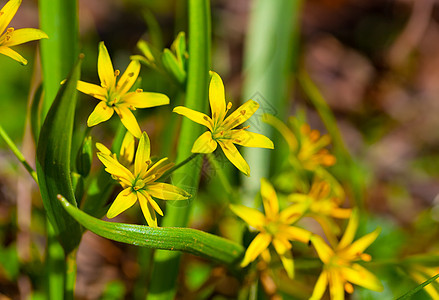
{"x": 167, "y": 238}
{"x": 418, "y": 288}
{"x": 173, "y": 67}
{"x": 53, "y": 162}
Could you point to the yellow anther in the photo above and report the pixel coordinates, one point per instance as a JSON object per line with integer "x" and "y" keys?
{"x": 116, "y": 73}
{"x": 139, "y": 91}
{"x": 229, "y": 105}
{"x": 348, "y": 288}
{"x": 365, "y": 257}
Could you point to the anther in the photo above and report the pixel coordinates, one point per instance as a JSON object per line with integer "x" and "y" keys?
{"x": 229, "y": 105}
{"x": 139, "y": 91}
{"x": 116, "y": 73}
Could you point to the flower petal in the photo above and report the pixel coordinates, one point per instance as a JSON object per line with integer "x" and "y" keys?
{"x": 142, "y": 160}
{"x": 293, "y": 233}
{"x": 350, "y": 231}
{"x": 269, "y": 199}
{"x": 362, "y": 277}
{"x": 320, "y": 287}
{"x": 216, "y": 97}
{"x": 128, "y": 120}
{"x": 323, "y": 250}
{"x": 151, "y": 202}
{"x": 285, "y": 256}
{"x": 7, "y": 13}
{"x": 167, "y": 191}
{"x": 204, "y": 143}
{"x": 259, "y": 244}
{"x": 128, "y": 77}
{"x": 251, "y": 139}
{"x": 241, "y": 114}
{"x": 12, "y": 54}
{"x": 100, "y": 114}
{"x": 234, "y": 156}
{"x": 362, "y": 243}
{"x": 251, "y": 216}
{"x": 145, "y": 99}
{"x": 147, "y": 210}
{"x": 293, "y": 212}
{"x": 21, "y": 36}
{"x": 128, "y": 148}
{"x": 336, "y": 286}
{"x": 195, "y": 116}
{"x": 113, "y": 167}
{"x": 102, "y": 148}
{"x": 123, "y": 201}
{"x": 105, "y": 67}
{"x": 93, "y": 90}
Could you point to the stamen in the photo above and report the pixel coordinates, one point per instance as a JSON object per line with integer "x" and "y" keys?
{"x": 365, "y": 257}
{"x": 348, "y": 288}
{"x": 116, "y": 73}
{"x": 132, "y": 107}
{"x": 139, "y": 91}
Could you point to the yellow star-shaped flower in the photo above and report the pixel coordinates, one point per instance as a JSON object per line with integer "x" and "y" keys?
{"x": 12, "y": 37}
{"x": 274, "y": 228}
{"x": 140, "y": 184}
{"x": 340, "y": 268}
{"x": 222, "y": 129}
{"x": 115, "y": 96}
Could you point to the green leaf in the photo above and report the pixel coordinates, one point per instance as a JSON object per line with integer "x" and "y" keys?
{"x": 418, "y": 288}
{"x": 53, "y": 162}
{"x": 35, "y": 110}
{"x": 166, "y": 238}
{"x": 173, "y": 67}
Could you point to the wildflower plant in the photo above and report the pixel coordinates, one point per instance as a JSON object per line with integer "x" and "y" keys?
{"x": 299, "y": 246}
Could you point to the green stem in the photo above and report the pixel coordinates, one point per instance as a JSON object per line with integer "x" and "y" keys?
{"x": 70, "y": 275}
{"x": 179, "y": 165}
{"x": 166, "y": 263}
{"x": 222, "y": 177}
{"x": 55, "y": 265}
{"x": 18, "y": 154}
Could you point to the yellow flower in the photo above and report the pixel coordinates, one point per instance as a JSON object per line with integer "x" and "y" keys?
{"x": 308, "y": 147}
{"x": 275, "y": 227}
{"x": 222, "y": 130}
{"x": 12, "y": 37}
{"x": 340, "y": 269}
{"x": 115, "y": 96}
{"x": 322, "y": 205}
{"x": 141, "y": 183}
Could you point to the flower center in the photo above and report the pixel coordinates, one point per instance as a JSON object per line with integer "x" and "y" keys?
{"x": 138, "y": 184}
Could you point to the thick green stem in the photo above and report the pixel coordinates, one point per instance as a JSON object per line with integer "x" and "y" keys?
{"x": 166, "y": 264}
{"x": 269, "y": 54}
{"x": 18, "y": 154}
{"x": 59, "y": 19}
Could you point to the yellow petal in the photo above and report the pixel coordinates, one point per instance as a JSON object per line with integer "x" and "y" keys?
{"x": 147, "y": 210}
{"x": 362, "y": 277}
{"x": 336, "y": 286}
{"x": 157, "y": 170}
{"x": 100, "y": 114}
{"x": 285, "y": 256}
{"x": 105, "y": 67}
{"x": 21, "y": 36}
{"x": 216, "y": 97}
{"x": 93, "y": 90}
{"x": 362, "y": 243}
{"x": 240, "y": 115}
{"x": 287, "y": 134}
{"x": 269, "y": 199}
{"x": 12, "y": 54}
{"x": 128, "y": 78}
{"x": 142, "y": 160}
{"x": 323, "y": 250}
{"x": 251, "y": 139}
{"x": 320, "y": 287}
{"x": 350, "y": 231}
{"x": 128, "y": 148}
{"x": 113, "y": 167}
{"x": 251, "y": 216}
{"x": 195, "y": 116}
{"x": 123, "y": 201}
{"x": 128, "y": 120}
{"x": 7, "y": 13}
{"x": 204, "y": 143}
{"x": 145, "y": 99}
{"x": 103, "y": 149}
{"x": 341, "y": 213}
{"x": 234, "y": 156}
{"x": 293, "y": 212}
{"x": 167, "y": 191}
{"x": 293, "y": 233}
{"x": 151, "y": 202}
{"x": 259, "y": 244}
